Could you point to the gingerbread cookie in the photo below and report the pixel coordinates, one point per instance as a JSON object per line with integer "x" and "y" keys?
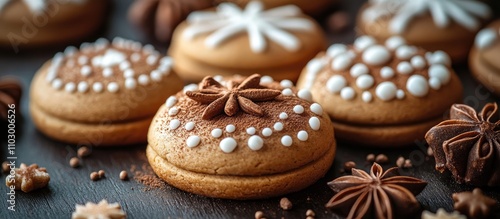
{"x": 229, "y": 40}
{"x": 448, "y": 25}
{"x": 309, "y": 7}
{"x": 483, "y": 59}
{"x": 103, "y": 93}
{"x": 42, "y": 22}
{"x": 222, "y": 137}
{"x": 382, "y": 95}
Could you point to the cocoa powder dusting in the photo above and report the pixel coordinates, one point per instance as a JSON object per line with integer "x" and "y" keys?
{"x": 147, "y": 177}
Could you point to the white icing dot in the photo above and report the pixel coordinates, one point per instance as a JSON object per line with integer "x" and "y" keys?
{"x": 400, "y": 94}
{"x": 367, "y": 96}
{"x": 365, "y": 81}
{"x": 135, "y": 57}
{"x": 386, "y": 72}
{"x": 434, "y": 83}
{"x": 376, "y": 55}
{"x": 359, "y": 69}
{"x": 83, "y": 87}
{"x": 286, "y": 141}
{"x": 174, "y": 124}
{"x": 316, "y": 109}
{"x": 404, "y": 68}
{"x": 189, "y": 126}
{"x": 190, "y": 87}
{"x": 155, "y": 75}
{"x": 438, "y": 57}
{"x": 151, "y": 60}
{"x": 298, "y": 109}
{"x": 363, "y": 42}
{"x": 193, "y": 141}
{"x": 347, "y": 93}
{"x": 86, "y": 70}
{"x": 83, "y": 60}
{"x": 286, "y": 83}
{"x": 405, "y": 52}
{"x": 342, "y": 62}
{"x": 219, "y": 78}
{"x": 485, "y": 38}
{"x": 171, "y": 101}
{"x": 70, "y": 87}
{"x": 124, "y": 65}
{"x": 70, "y": 51}
{"x": 97, "y": 87}
{"x": 394, "y": 42}
{"x": 266, "y": 79}
{"x": 107, "y": 72}
{"x": 336, "y": 83}
{"x": 216, "y": 133}
{"x": 305, "y": 95}
{"x": 251, "y": 131}
{"x": 128, "y": 73}
{"x": 173, "y": 111}
{"x": 227, "y": 145}
{"x": 417, "y": 86}
{"x": 255, "y": 142}
{"x": 267, "y": 132}
{"x": 335, "y": 50}
{"x": 230, "y": 128}
{"x": 287, "y": 92}
{"x": 130, "y": 83}
{"x": 283, "y": 115}
{"x": 314, "y": 123}
{"x": 143, "y": 79}
{"x": 386, "y": 91}
{"x": 418, "y": 62}
{"x": 57, "y": 83}
{"x": 440, "y": 72}
{"x": 302, "y": 135}
{"x": 278, "y": 126}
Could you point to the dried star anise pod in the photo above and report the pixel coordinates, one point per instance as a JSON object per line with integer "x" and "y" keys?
{"x": 468, "y": 145}
{"x": 28, "y": 178}
{"x": 474, "y": 204}
{"x": 376, "y": 195}
{"x": 231, "y": 99}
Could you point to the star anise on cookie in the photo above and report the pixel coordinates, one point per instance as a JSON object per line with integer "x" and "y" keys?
{"x": 10, "y": 93}
{"x": 468, "y": 145}
{"x": 231, "y": 99}
{"x": 474, "y": 204}
{"x": 28, "y": 178}
{"x": 378, "y": 194}
{"x": 161, "y": 17}
{"x": 102, "y": 210}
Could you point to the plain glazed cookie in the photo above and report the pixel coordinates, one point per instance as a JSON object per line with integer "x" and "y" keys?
{"x": 276, "y": 42}
{"x": 42, "y": 22}
{"x": 382, "y": 95}
{"x": 483, "y": 59}
{"x": 241, "y": 138}
{"x": 103, "y": 93}
{"x": 447, "y": 25}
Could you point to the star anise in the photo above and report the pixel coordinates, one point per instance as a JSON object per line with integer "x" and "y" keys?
{"x": 376, "y": 195}
{"x": 28, "y": 178}
{"x": 468, "y": 145}
{"x": 231, "y": 99}
{"x": 474, "y": 204}
{"x": 10, "y": 93}
{"x": 102, "y": 210}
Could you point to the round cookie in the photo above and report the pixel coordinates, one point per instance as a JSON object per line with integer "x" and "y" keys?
{"x": 42, "y": 22}
{"x": 276, "y": 42}
{"x": 102, "y": 94}
{"x": 309, "y": 7}
{"x": 447, "y": 25}
{"x": 221, "y": 139}
{"x": 483, "y": 59}
{"x": 382, "y": 95}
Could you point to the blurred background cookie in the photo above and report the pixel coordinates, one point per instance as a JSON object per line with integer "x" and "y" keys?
{"x": 382, "y": 95}
{"x": 448, "y": 25}
{"x": 101, "y": 94}
{"x": 222, "y": 139}
{"x": 46, "y": 22}
{"x": 10, "y": 96}
{"x": 230, "y": 40}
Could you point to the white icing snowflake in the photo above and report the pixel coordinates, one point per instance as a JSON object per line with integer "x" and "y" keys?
{"x": 229, "y": 20}
{"x": 35, "y": 6}
{"x": 463, "y": 12}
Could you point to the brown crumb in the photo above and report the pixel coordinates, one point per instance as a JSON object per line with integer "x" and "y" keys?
{"x": 123, "y": 175}
{"x": 74, "y": 162}
{"x": 83, "y": 151}
{"x": 94, "y": 176}
{"x": 101, "y": 173}
{"x": 381, "y": 159}
{"x": 338, "y": 21}
{"x": 259, "y": 215}
{"x": 285, "y": 203}
{"x": 400, "y": 162}
{"x": 349, "y": 165}
{"x": 370, "y": 158}
{"x": 310, "y": 213}
{"x": 5, "y": 167}
{"x": 430, "y": 152}
{"x": 147, "y": 177}
{"x": 408, "y": 164}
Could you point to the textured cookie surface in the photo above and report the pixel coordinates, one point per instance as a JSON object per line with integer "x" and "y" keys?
{"x": 201, "y": 139}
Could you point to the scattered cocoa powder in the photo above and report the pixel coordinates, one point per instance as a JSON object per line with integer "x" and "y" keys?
{"x": 285, "y": 204}
{"x": 147, "y": 177}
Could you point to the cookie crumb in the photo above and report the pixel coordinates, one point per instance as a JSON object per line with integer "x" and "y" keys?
{"x": 285, "y": 204}
{"x": 349, "y": 165}
{"x": 5, "y": 167}
{"x": 123, "y": 175}
{"x": 370, "y": 158}
{"x": 430, "y": 152}
{"x": 381, "y": 159}
{"x": 400, "y": 162}
{"x": 310, "y": 213}
{"x": 94, "y": 176}
{"x": 101, "y": 173}
{"x": 74, "y": 162}
{"x": 259, "y": 215}
{"x": 408, "y": 164}
{"x": 83, "y": 151}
